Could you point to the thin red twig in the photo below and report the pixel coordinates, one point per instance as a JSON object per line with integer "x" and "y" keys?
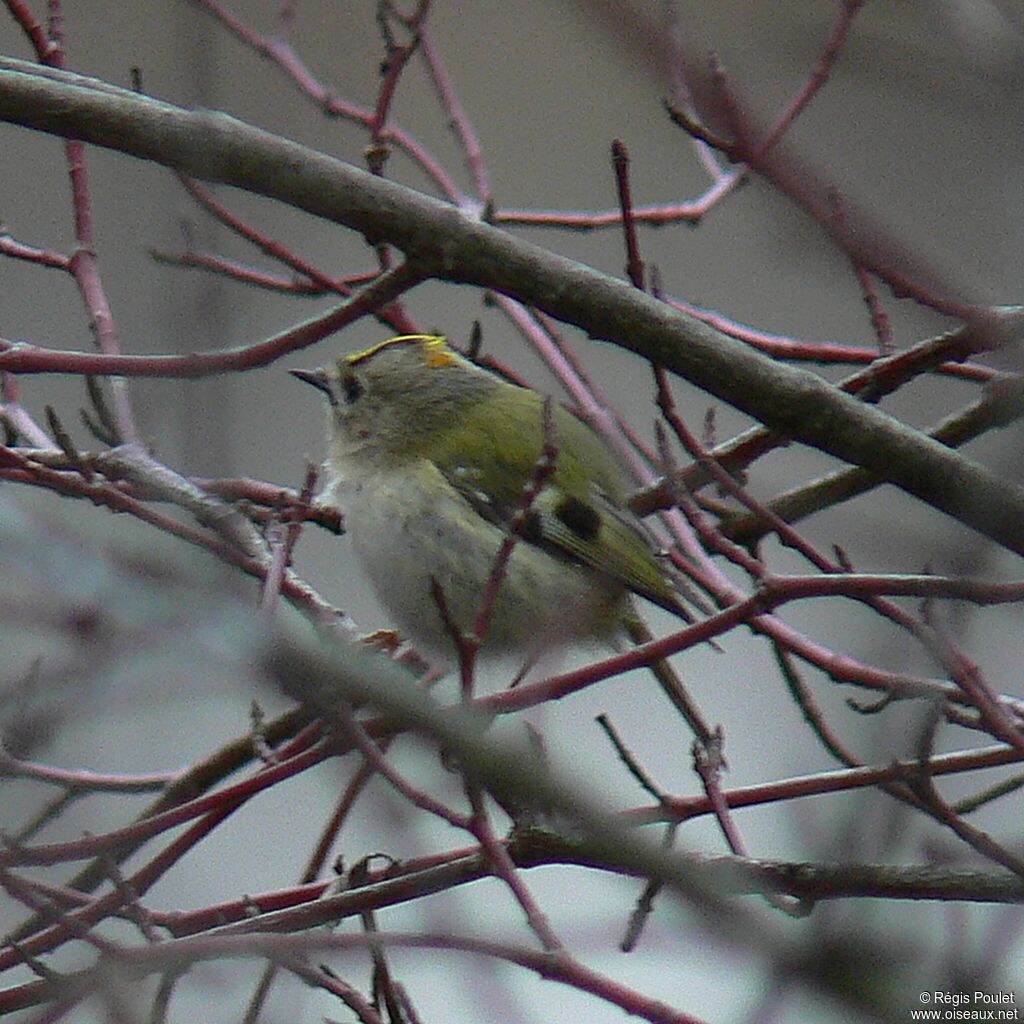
{"x": 634, "y": 265}
{"x": 24, "y": 358}
{"x": 457, "y": 117}
{"x": 278, "y": 50}
{"x": 818, "y": 77}
{"x": 504, "y": 869}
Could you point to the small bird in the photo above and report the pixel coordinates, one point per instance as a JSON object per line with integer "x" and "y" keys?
{"x": 428, "y": 458}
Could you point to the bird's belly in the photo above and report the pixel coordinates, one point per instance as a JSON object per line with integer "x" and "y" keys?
{"x": 410, "y": 533}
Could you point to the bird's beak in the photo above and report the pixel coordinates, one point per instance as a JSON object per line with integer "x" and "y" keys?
{"x": 319, "y": 379}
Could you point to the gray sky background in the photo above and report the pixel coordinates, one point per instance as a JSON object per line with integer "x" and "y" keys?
{"x": 920, "y": 126}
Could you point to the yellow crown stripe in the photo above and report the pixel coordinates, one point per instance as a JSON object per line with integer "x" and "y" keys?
{"x": 435, "y": 349}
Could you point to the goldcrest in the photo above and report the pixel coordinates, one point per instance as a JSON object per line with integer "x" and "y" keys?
{"x": 428, "y": 457}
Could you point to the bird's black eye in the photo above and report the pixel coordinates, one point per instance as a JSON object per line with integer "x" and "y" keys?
{"x": 352, "y": 387}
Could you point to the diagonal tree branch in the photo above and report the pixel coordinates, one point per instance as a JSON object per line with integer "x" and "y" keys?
{"x": 443, "y": 242}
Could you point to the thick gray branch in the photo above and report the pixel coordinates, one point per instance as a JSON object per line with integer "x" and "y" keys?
{"x": 448, "y": 244}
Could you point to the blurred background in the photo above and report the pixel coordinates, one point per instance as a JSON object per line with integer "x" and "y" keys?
{"x": 919, "y": 127}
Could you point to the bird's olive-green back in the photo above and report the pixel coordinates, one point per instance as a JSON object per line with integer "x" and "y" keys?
{"x": 579, "y": 512}
{"x": 499, "y": 441}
